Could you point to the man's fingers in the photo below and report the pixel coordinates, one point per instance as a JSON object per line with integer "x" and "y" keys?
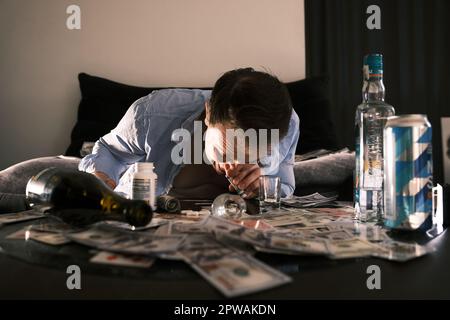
{"x": 111, "y": 184}
{"x": 249, "y": 179}
{"x": 253, "y": 189}
{"x": 217, "y": 167}
{"x": 106, "y": 179}
{"x": 231, "y": 170}
{"x": 250, "y": 195}
{"x": 242, "y": 175}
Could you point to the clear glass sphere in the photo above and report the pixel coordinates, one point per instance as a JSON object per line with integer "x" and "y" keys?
{"x": 228, "y": 206}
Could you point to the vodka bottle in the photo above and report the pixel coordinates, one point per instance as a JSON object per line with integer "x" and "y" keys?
{"x": 371, "y": 116}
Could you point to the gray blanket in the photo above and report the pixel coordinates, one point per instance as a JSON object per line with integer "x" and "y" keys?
{"x": 13, "y": 180}
{"x": 330, "y": 170}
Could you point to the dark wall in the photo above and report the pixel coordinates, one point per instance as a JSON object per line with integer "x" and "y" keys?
{"x": 415, "y": 41}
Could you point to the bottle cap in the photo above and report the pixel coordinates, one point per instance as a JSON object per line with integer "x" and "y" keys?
{"x": 144, "y": 166}
{"x": 374, "y": 64}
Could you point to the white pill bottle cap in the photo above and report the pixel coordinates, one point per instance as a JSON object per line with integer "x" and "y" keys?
{"x": 143, "y": 166}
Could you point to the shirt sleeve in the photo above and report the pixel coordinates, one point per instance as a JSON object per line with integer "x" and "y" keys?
{"x": 124, "y": 145}
{"x": 286, "y": 168}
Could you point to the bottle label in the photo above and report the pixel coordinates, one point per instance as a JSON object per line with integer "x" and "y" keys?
{"x": 372, "y": 72}
{"x": 144, "y": 189}
{"x": 141, "y": 189}
{"x": 358, "y": 159}
{"x": 372, "y": 164}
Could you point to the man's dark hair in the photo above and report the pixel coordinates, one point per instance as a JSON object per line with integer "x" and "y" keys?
{"x": 251, "y": 99}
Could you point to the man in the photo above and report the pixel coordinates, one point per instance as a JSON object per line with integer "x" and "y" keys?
{"x": 241, "y": 99}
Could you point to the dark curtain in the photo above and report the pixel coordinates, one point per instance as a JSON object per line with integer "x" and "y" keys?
{"x": 415, "y": 41}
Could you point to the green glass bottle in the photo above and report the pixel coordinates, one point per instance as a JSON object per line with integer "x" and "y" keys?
{"x": 80, "y": 199}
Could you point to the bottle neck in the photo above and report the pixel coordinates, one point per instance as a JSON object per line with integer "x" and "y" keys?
{"x": 373, "y": 89}
{"x": 135, "y": 212}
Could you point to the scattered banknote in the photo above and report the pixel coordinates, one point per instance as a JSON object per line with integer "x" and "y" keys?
{"x": 185, "y": 217}
{"x": 297, "y": 244}
{"x": 367, "y": 231}
{"x": 51, "y": 238}
{"x": 280, "y": 251}
{"x": 9, "y": 218}
{"x": 257, "y": 224}
{"x": 232, "y": 273}
{"x": 401, "y": 251}
{"x": 333, "y": 235}
{"x": 116, "y": 259}
{"x": 218, "y": 225}
{"x": 190, "y": 228}
{"x": 200, "y": 242}
{"x": 127, "y": 242}
{"x": 167, "y": 230}
{"x": 300, "y": 230}
{"x": 144, "y": 245}
{"x": 154, "y": 223}
{"x": 21, "y": 234}
{"x": 351, "y": 248}
{"x": 223, "y": 228}
{"x": 286, "y": 219}
{"x": 53, "y": 226}
{"x": 96, "y": 236}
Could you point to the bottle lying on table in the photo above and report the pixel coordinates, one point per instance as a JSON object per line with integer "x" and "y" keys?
{"x": 79, "y": 198}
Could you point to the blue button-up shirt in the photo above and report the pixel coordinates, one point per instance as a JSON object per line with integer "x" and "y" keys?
{"x": 144, "y": 134}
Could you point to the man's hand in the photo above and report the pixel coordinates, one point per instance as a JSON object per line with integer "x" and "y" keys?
{"x": 105, "y": 178}
{"x": 245, "y": 177}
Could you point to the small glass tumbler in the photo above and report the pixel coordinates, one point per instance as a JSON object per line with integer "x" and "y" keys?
{"x": 269, "y": 193}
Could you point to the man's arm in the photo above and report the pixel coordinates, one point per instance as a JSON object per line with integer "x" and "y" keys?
{"x": 117, "y": 150}
{"x": 246, "y": 177}
{"x": 286, "y": 169}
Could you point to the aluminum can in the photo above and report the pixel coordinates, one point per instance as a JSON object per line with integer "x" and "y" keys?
{"x": 408, "y": 172}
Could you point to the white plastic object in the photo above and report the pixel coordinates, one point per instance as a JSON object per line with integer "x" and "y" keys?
{"x": 143, "y": 183}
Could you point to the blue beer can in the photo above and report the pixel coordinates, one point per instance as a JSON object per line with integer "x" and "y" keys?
{"x": 408, "y": 172}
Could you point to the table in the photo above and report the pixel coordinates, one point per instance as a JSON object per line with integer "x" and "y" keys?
{"x": 30, "y": 270}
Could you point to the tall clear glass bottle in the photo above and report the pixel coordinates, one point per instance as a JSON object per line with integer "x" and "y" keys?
{"x": 371, "y": 116}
